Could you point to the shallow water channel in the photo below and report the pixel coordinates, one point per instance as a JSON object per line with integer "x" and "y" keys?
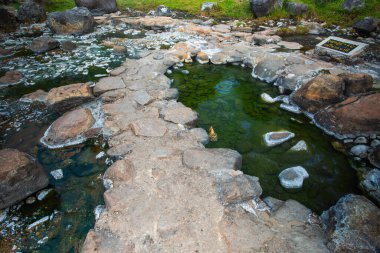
{"x": 228, "y": 98}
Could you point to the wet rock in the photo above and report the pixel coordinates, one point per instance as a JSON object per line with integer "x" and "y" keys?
{"x": 356, "y": 83}
{"x": 350, "y": 5}
{"x": 212, "y": 159}
{"x": 296, "y": 9}
{"x": 234, "y": 187}
{"x": 207, "y": 6}
{"x": 359, "y": 150}
{"x": 320, "y": 92}
{"x": 76, "y": 21}
{"x": 162, "y": 10}
{"x": 10, "y": 78}
{"x": 68, "y": 45}
{"x": 108, "y": 84}
{"x": 43, "y": 44}
{"x": 39, "y": 96}
{"x": 31, "y": 12}
{"x": 365, "y": 26}
{"x": 8, "y": 22}
{"x": 267, "y": 69}
{"x": 357, "y": 115}
{"x": 374, "y": 157}
{"x": 292, "y": 178}
{"x": 352, "y": 225}
{"x": 300, "y": 146}
{"x": 98, "y": 7}
{"x": 201, "y": 135}
{"x": 20, "y": 176}
{"x": 66, "y": 129}
{"x": 99, "y": 210}
{"x": 291, "y": 108}
{"x": 149, "y": 127}
{"x": 267, "y": 98}
{"x": 57, "y": 174}
{"x": 262, "y": 7}
{"x": 276, "y": 138}
{"x": 371, "y": 184}
{"x": 69, "y": 96}
{"x": 180, "y": 114}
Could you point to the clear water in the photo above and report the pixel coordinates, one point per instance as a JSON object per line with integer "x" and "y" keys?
{"x": 228, "y": 98}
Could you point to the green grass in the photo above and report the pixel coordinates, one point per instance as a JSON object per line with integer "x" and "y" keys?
{"x": 329, "y": 11}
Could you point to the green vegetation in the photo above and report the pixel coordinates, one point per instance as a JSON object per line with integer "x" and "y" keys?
{"x": 329, "y": 11}
{"x": 286, "y": 31}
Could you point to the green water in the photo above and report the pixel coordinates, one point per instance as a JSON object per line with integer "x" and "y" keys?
{"x": 228, "y": 98}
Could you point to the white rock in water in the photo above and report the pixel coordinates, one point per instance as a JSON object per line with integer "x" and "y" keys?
{"x": 99, "y": 209}
{"x": 186, "y": 72}
{"x": 100, "y": 155}
{"x": 43, "y": 194}
{"x": 43, "y": 240}
{"x": 267, "y": 98}
{"x": 276, "y": 138}
{"x": 291, "y": 108}
{"x": 292, "y": 178}
{"x": 40, "y": 221}
{"x": 300, "y": 146}
{"x": 108, "y": 184}
{"x": 57, "y": 174}
{"x": 3, "y": 214}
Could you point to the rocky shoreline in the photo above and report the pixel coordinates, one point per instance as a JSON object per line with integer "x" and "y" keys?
{"x": 167, "y": 192}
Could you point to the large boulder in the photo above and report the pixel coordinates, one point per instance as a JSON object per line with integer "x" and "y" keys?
{"x": 296, "y": 9}
{"x": 8, "y": 22}
{"x": 43, "y": 44}
{"x": 69, "y": 96}
{"x": 76, "y": 21}
{"x": 69, "y": 129}
{"x": 356, "y": 83}
{"x": 350, "y": 5}
{"x": 320, "y": 92}
{"x": 357, "y": 116}
{"x": 20, "y": 176}
{"x": 31, "y": 12}
{"x": 98, "y": 6}
{"x": 262, "y": 7}
{"x": 352, "y": 225}
{"x": 366, "y": 26}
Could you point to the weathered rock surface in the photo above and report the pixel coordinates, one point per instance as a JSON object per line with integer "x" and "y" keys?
{"x": 352, "y": 225}
{"x": 262, "y": 7}
{"x": 69, "y": 129}
{"x": 108, "y": 84}
{"x": 180, "y": 114}
{"x": 371, "y": 184}
{"x": 31, "y": 12}
{"x": 320, "y": 92}
{"x": 276, "y": 138}
{"x": 76, "y": 21}
{"x": 43, "y": 44}
{"x": 293, "y": 177}
{"x": 69, "y": 96}
{"x": 149, "y": 127}
{"x": 20, "y": 176}
{"x": 356, "y": 83}
{"x": 357, "y": 115}
{"x": 98, "y": 6}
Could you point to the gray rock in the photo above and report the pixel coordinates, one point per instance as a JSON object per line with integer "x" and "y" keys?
{"x": 262, "y": 7}
{"x": 267, "y": 69}
{"x": 180, "y": 114}
{"x": 292, "y": 178}
{"x": 162, "y": 10}
{"x": 20, "y": 176}
{"x": 212, "y": 159}
{"x": 297, "y": 9}
{"x": 76, "y": 21}
{"x": 207, "y": 6}
{"x": 57, "y": 174}
{"x": 107, "y": 84}
{"x": 366, "y": 26}
{"x": 350, "y": 5}
{"x": 68, "y": 45}
{"x": 201, "y": 135}
{"x": 352, "y": 225}
{"x": 291, "y": 108}
{"x": 43, "y": 44}
{"x": 359, "y": 150}
{"x": 371, "y": 184}
{"x": 31, "y": 12}
{"x": 142, "y": 97}
{"x": 98, "y": 7}
{"x": 276, "y": 138}
{"x": 361, "y": 140}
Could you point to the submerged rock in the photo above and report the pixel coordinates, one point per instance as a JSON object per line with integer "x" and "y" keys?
{"x": 300, "y": 146}
{"x": 352, "y": 225}
{"x": 320, "y": 92}
{"x": 20, "y": 176}
{"x": 276, "y": 138}
{"x": 43, "y": 44}
{"x": 98, "y": 6}
{"x": 69, "y": 129}
{"x": 292, "y": 178}
{"x": 357, "y": 115}
{"x": 31, "y": 12}
{"x": 371, "y": 184}
{"x": 57, "y": 174}
{"x": 76, "y": 21}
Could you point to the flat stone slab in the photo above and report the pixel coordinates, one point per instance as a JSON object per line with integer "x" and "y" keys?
{"x": 148, "y": 127}
{"x": 180, "y": 114}
{"x": 276, "y": 138}
{"x": 107, "y": 84}
{"x": 292, "y": 178}
{"x": 142, "y": 97}
{"x": 336, "y": 46}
